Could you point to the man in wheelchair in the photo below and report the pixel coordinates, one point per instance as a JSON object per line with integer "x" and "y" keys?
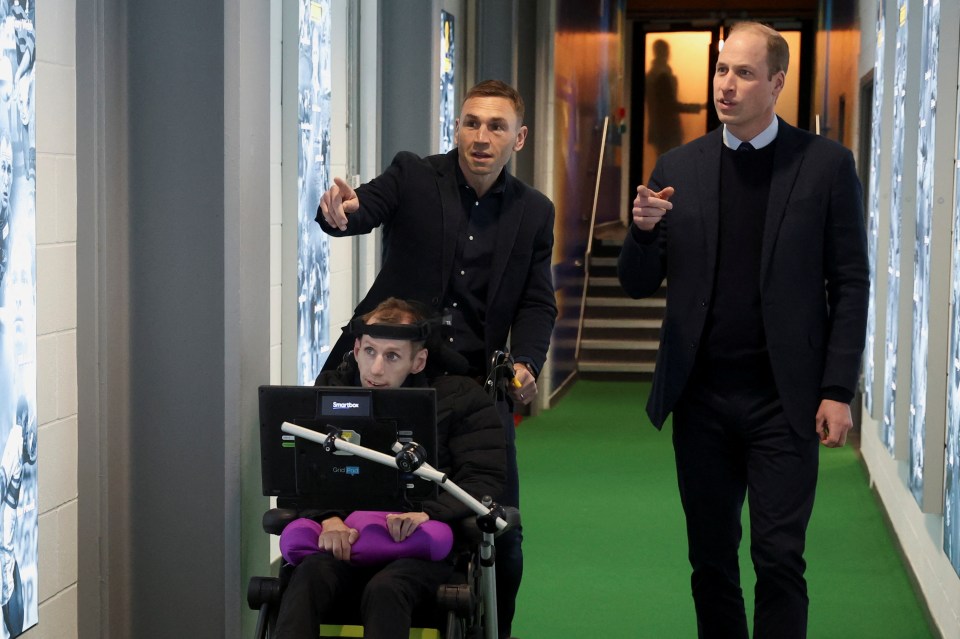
{"x": 390, "y": 350}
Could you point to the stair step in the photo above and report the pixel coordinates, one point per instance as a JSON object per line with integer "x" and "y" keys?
{"x": 568, "y": 281}
{"x": 596, "y": 281}
{"x": 647, "y": 302}
{"x": 607, "y": 247}
{"x": 624, "y": 312}
{"x": 599, "y": 279}
{"x": 615, "y": 367}
{"x": 619, "y": 344}
{"x": 626, "y": 322}
{"x": 603, "y": 261}
{"x": 619, "y": 357}
{"x": 603, "y": 271}
{"x": 610, "y": 291}
{"x": 610, "y": 287}
{"x": 569, "y": 342}
{"x": 622, "y": 334}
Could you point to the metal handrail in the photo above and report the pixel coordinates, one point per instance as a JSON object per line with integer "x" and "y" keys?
{"x": 589, "y": 252}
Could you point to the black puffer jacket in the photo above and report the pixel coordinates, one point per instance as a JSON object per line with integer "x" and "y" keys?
{"x": 470, "y": 443}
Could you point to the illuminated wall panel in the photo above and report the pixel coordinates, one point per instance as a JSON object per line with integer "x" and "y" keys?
{"x": 951, "y": 502}
{"x": 926, "y": 153}
{"x": 448, "y": 68}
{"x": 888, "y": 430}
{"x": 18, "y": 320}
{"x": 313, "y": 171}
{"x": 873, "y": 209}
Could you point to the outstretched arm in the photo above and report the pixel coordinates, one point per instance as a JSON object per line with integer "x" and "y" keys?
{"x": 337, "y": 203}
{"x": 340, "y": 212}
{"x": 650, "y": 206}
{"x": 640, "y": 267}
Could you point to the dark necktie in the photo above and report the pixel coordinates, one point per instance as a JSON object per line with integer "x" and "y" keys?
{"x": 745, "y": 146}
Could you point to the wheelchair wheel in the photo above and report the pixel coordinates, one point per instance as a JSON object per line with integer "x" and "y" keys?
{"x": 263, "y": 595}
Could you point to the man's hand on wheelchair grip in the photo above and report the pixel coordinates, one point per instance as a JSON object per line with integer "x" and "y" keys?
{"x": 528, "y": 384}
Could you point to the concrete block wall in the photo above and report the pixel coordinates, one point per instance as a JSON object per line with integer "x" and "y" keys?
{"x": 56, "y": 217}
{"x": 276, "y": 203}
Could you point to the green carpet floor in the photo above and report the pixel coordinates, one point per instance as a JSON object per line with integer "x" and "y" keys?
{"x": 604, "y": 540}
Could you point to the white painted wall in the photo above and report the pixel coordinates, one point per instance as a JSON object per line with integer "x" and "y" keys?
{"x": 57, "y": 318}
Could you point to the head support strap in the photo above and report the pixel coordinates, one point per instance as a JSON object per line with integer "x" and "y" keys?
{"x": 418, "y": 332}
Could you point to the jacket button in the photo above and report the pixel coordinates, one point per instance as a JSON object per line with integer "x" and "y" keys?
{"x": 435, "y": 301}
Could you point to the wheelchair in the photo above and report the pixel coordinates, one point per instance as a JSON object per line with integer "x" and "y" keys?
{"x": 465, "y": 606}
{"x": 457, "y": 613}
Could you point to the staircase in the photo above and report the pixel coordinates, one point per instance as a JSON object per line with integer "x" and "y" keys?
{"x": 620, "y": 335}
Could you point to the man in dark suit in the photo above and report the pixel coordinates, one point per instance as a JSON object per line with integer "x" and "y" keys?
{"x": 764, "y": 253}
{"x": 463, "y": 236}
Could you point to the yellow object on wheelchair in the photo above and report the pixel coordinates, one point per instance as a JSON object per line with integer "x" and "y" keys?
{"x": 333, "y": 632}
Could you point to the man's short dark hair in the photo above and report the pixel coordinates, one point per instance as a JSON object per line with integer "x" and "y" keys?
{"x": 778, "y": 51}
{"x": 498, "y": 89}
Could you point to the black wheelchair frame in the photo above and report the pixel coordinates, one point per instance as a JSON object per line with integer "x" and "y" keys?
{"x": 467, "y": 602}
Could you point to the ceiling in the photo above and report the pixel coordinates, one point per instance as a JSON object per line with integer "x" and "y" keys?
{"x": 717, "y": 10}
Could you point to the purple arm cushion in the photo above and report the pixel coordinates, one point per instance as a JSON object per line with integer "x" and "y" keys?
{"x": 299, "y": 539}
{"x": 432, "y": 540}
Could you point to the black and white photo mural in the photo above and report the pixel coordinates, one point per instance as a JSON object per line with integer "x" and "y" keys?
{"x": 951, "y": 495}
{"x": 873, "y": 211}
{"x": 448, "y": 67}
{"x": 18, "y": 324}
{"x": 313, "y": 176}
{"x": 929, "y": 53}
{"x": 888, "y": 429}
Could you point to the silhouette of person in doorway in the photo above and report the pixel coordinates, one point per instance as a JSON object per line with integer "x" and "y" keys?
{"x": 663, "y": 109}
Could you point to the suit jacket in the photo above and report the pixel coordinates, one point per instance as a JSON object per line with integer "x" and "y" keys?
{"x": 813, "y": 269}
{"x": 418, "y": 203}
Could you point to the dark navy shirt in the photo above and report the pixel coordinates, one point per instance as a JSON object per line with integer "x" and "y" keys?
{"x": 466, "y": 297}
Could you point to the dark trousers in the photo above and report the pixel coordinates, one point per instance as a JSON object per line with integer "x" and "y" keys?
{"x": 509, "y": 544}
{"x": 383, "y": 597}
{"x": 728, "y": 444}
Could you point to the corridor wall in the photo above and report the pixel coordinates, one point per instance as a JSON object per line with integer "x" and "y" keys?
{"x": 57, "y": 302}
{"x": 912, "y": 49}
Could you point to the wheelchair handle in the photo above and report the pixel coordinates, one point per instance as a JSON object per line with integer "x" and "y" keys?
{"x": 502, "y": 373}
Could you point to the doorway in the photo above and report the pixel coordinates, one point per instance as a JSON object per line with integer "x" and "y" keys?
{"x": 672, "y": 75}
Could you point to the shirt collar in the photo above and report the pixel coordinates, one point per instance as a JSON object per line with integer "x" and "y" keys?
{"x": 762, "y": 139}
{"x": 497, "y": 187}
